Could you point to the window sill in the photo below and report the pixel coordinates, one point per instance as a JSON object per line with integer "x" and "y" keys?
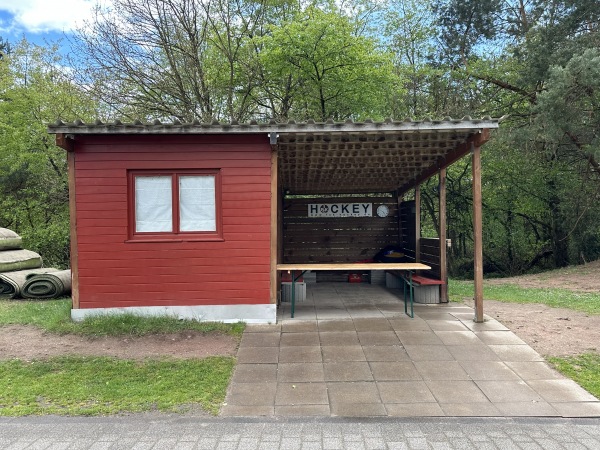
{"x": 178, "y": 240}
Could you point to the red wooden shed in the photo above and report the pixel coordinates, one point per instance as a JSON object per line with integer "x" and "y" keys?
{"x": 187, "y": 219}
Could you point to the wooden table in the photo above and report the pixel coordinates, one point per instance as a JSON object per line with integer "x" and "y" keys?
{"x": 303, "y": 268}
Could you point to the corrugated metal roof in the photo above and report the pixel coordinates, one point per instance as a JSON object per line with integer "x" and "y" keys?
{"x": 334, "y": 157}
{"x": 157, "y": 127}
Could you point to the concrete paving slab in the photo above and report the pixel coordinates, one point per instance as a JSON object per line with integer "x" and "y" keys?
{"x": 577, "y": 409}
{"x": 263, "y": 355}
{"x": 441, "y": 370}
{"x": 301, "y": 394}
{"x": 418, "y": 338}
{"x": 302, "y": 411}
{"x": 489, "y": 325}
{"x": 458, "y": 338}
{"x": 408, "y": 324}
{"x": 554, "y": 391}
{"x": 385, "y": 353}
{"x": 488, "y": 370}
{"x": 357, "y": 393}
{"x": 499, "y": 337}
{"x": 414, "y": 410}
{"x": 480, "y": 409}
{"x": 298, "y": 326}
{"x": 252, "y": 394}
{"x": 347, "y": 371}
{"x": 358, "y": 410}
{"x": 299, "y": 339}
{"x": 262, "y": 328}
{"x": 336, "y": 325}
{"x": 405, "y": 392}
{"x": 300, "y": 372}
{"x": 526, "y": 409}
{"x": 504, "y": 391}
{"x": 456, "y": 392}
{"x": 534, "y": 370}
{"x": 428, "y": 353}
{"x": 378, "y": 338}
{"x": 447, "y": 325}
{"x": 265, "y": 339}
{"x": 255, "y": 373}
{"x": 372, "y": 324}
{"x": 247, "y": 411}
{"x": 303, "y": 353}
{"x": 343, "y": 353}
{"x": 516, "y": 353}
{"x": 338, "y": 338}
{"x": 478, "y": 352}
{"x": 394, "y": 371}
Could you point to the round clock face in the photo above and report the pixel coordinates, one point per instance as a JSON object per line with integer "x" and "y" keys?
{"x": 383, "y": 211}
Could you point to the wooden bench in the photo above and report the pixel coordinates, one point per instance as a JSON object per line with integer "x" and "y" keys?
{"x": 425, "y": 289}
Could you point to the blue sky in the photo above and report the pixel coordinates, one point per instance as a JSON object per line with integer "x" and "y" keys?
{"x": 42, "y": 20}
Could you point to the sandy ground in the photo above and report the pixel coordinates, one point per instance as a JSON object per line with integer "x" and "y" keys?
{"x": 550, "y": 331}
{"x": 29, "y": 343}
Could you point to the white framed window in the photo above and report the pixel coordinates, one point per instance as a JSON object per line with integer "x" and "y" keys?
{"x": 174, "y": 204}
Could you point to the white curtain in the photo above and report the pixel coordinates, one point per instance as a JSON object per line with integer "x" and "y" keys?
{"x": 197, "y": 203}
{"x": 153, "y": 204}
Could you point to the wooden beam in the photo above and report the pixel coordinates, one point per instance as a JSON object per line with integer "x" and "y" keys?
{"x": 477, "y": 234}
{"x": 274, "y": 225}
{"x": 400, "y": 199}
{"x": 73, "y": 231}
{"x": 417, "y": 223}
{"x": 65, "y": 142}
{"x": 451, "y": 157}
{"x": 442, "y": 236}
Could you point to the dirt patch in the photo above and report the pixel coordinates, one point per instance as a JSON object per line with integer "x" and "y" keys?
{"x": 550, "y": 331}
{"x": 584, "y": 278}
{"x": 30, "y": 343}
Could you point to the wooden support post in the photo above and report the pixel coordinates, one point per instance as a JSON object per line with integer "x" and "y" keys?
{"x": 418, "y": 223}
{"x": 442, "y": 236}
{"x": 275, "y": 207}
{"x": 73, "y": 231}
{"x": 399, "y": 199}
{"x": 477, "y": 233}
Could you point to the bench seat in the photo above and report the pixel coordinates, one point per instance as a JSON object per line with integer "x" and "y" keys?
{"x": 421, "y": 289}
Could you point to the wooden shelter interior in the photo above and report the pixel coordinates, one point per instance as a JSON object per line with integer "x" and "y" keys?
{"x": 378, "y": 163}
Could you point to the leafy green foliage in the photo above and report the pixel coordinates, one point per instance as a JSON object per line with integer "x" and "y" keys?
{"x": 94, "y": 386}
{"x": 33, "y": 174}
{"x": 325, "y": 67}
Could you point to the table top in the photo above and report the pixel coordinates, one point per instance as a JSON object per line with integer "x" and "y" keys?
{"x": 354, "y": 266}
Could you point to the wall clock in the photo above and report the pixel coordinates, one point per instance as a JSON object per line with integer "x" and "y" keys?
{"x": 383, "y": 211}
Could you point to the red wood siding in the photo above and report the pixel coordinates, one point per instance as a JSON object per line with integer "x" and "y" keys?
{"x": 116, "y": 273}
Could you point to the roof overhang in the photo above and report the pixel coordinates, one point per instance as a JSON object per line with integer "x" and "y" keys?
{"x": 334, "y": 157}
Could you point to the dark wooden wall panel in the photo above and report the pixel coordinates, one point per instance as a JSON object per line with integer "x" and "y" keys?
{"x": 342, "y": 239}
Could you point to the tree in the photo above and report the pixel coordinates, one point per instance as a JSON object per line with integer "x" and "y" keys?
{"x": 33, "y": 174}
{"x": 317, "y": 66}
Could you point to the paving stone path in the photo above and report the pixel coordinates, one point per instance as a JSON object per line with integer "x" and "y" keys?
{"x": 345, "y": 356}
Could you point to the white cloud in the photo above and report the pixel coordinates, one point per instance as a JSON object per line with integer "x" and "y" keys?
{"x": 39, "y": 16}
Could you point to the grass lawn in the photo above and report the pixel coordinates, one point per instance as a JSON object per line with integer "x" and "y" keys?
{"x": 54, "y": 316}
{"x": 95, "y": 386}
{"x": 583, "y": 369}
{"x": 588, "y": 302}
